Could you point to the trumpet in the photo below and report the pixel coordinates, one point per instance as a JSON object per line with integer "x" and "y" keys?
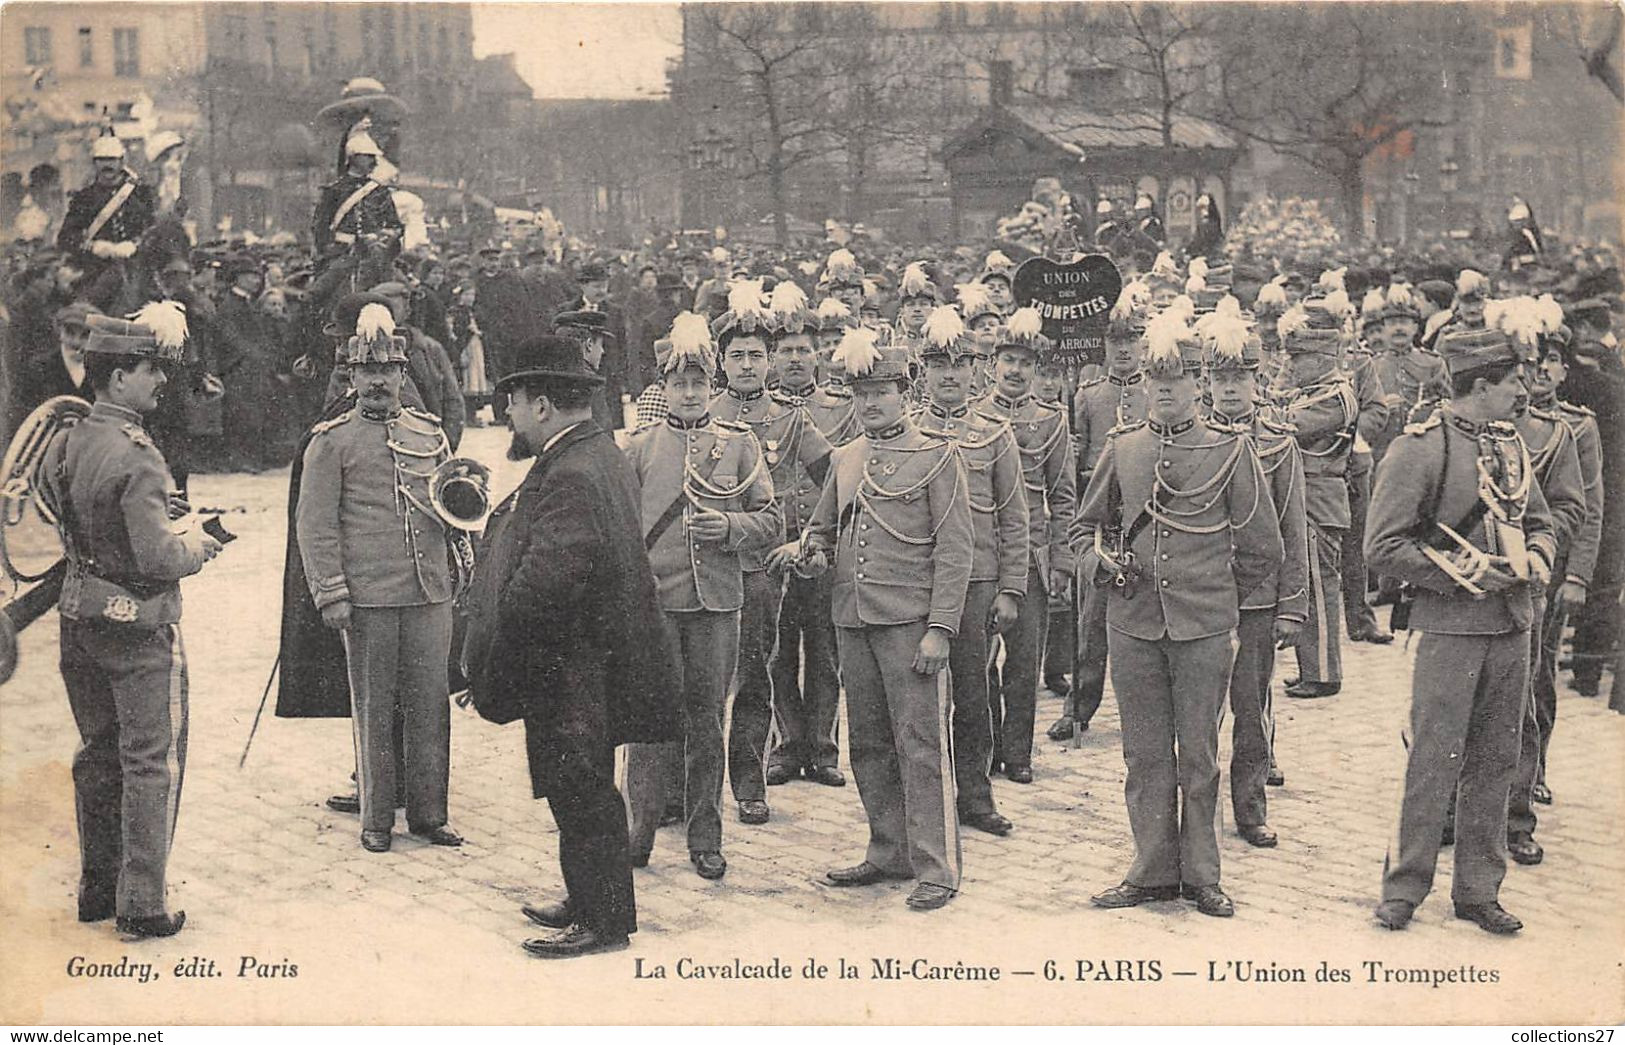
{"x": 19, "y": 475}
{"x": 460, "y": 493}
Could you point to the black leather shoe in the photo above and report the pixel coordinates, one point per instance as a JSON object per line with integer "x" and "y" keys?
{"x": 778, "y": 774}
{"x": 376, "y": 841}
{"x": 441, "y": 835}
{"x": 1378, "y": 635}
{"x": 1019, "y": 774}
{"x": 1259, "y": 835}
{"x": 640, "y": 859}
{"x": 829, "y": 776}
{"x": 1395, "y": 914}
{"x": 754, "y": 811}
{"x": 153, "y": 925}
{"x": 97, "y": 907}
{"x": 928, "y": 897}
{"x": 1210, "y": 900}
{"x": 575, "y": 941}
{"x": 1542, "y": 794}
{"x": 709, "y": 865}
{"x": 1064, "y": 728}
{"x": 992, "y": 823}
{"x": 865, "y": 873}
{"x": 553, "y": 916}
{"x": 1275, "y": 778}
{"x": 1314, "y": 690}
{"x": 350, "y": 803}
{"x": 1491, "y": 917}
{"x": 1525, "y": 850}
{"x": 1131, "y": 895}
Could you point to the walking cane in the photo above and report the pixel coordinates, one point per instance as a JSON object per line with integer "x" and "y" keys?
{"x": 261, "y": 709}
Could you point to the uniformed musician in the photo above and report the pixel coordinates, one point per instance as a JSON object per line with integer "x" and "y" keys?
{"x": 123, "y": 662}
{"x": 376, "y": 559}
{"x": 1051, "y": 486}
{"x": 1320, "y": 404}
{"x": 895, "y": 518}
{"x": 707, "y": 504}
{"x": 1273, "y": 616}
{"x": 1177, "y": 522}
{"x": 831, "y": 403}
{"x": 998, "y": 579}
{"x": 1458, "y": 515}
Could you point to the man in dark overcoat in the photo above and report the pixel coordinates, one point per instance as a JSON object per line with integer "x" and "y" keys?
{"x": 565, "y": 633}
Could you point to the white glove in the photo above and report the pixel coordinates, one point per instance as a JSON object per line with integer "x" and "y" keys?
{"x": 103, "y": 248}
{"x": 124, "y": 250}
{"x": 200, "y": 544}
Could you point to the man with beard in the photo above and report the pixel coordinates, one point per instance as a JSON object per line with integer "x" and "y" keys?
{"x": 105, "y": 220}
{"x": 375, "y": 560}
{"x": 565, "y": 633}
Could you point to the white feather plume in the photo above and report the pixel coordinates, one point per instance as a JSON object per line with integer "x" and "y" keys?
{"x": 1292, "y": 320}
{"x": 1227, "y": 336}
{"x": 31, "y": 221}
{"x": 1163, "y": 335}
{"x": 1025, "y": 323}
{"x": 1198, "y": 268}
{"x": 788, "y": 297}
{"x": 808, "y": 267}
{"x": 973, "y": 297}
{"x": 1373, "y": 303}
{"x": 1332, "y": 279}
{"x": 857, "y": 353}
{"x": 1401, "y": 295}
{"x": 833, "y": 308}
{"x": 998, "y": 260}
{"x": 745, "y": 298}
{"x": 1551, "y": 313}
{"x": 1164, "y": 267}
{"x": 1181, "y": 306}
{"x": 1134, "y": 297}
{"x": 1518, "y": 317}
{"x": 374, "y": 320}
{"x": 1271, "y": 294}
{"x": 915, "y": 282}
{"x": 943, "y": 326}
{"x": 1471, "y": 281}
{"x": 1197, "y": 283}
{"x": 1228, "y": 310}
{"x": 1337, "y": 303}
{"x": 691, "y": 344}
{"x": 166, "y": 320}
{"x": 1228, "y": 306}
{"x": 719, "y": 254}
{"x": 1495, "y": 311}
{"x": 840, "y": 260}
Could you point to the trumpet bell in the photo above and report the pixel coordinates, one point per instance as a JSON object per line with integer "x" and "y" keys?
{"x": 460, "y": 492}
{"x": 29, "y": 542}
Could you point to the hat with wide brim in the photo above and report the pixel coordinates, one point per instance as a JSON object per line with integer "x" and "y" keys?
{"x": 362, "y": 96}
{"x": 551, "y": 358}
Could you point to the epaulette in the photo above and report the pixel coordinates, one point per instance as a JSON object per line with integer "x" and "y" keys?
{"x": 1575, "y": 408}
{"x": 1278, "y": 427}
{"x": 1126, "y": 426}
{"x": 731, "y": 426}
{"x": 137, "y": 434}
{"x": 1422, "y": 427}
{"x": 837, "y": 391}
{"x": 786, "y": 399}
{"x": 423, "y": 415}
{"x": 1092, "y": 382}
{"x": 331, "y": 423}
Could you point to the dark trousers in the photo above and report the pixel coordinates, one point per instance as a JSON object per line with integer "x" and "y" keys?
{"x": 1060, "y": 642}
{"x": 806, "y": 692}
{"x": 752, "y": 718}
{"x": 1252, "y": 733}
{"x": 1320, "y": 657}
{"x": 578, "y": 778}
{"x": 1358, "y": 616}
{"x": 1013, "y": 689}
{"x": 897, "y": 721}
{"x": 709, "y": 644}
{"x": 1521, "y": 818}
{"x": 397, "y": 660}
{"x": 972, "y": 712}
{"x": 1467, "y": 698}
{"x": 127, "y": 689}
{"x": 1089, "y": 674}
{"x": 1169, "y": 697}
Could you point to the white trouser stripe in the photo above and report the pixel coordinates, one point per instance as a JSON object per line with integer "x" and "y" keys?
{"x": 176, "y": 758}
{"x": 950, "y": 798}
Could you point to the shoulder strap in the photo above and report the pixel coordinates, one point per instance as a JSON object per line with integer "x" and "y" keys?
{"x": 109, "y": 209}
{"x": 350, "y": 203}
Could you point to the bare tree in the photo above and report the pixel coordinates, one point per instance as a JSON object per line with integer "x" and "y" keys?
{"x": 1355, "y": 78}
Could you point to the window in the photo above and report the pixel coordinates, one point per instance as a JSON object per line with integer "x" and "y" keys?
{"x": 1001, "y": 82}
{"x": 87, "y": 51}
{"x": 126, "y": 52}
{"x": 1083, "y": 85}
{"x": 37, "y": 45}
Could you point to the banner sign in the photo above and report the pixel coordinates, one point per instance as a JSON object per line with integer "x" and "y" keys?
{"x": 1075, "y": 300}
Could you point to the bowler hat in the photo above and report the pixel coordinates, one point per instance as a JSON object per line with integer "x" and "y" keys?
{"x": 583, "y": 323}
{"x": 549, "y": 357}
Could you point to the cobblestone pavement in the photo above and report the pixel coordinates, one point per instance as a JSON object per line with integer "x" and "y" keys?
{"x": 266, "y": 872}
